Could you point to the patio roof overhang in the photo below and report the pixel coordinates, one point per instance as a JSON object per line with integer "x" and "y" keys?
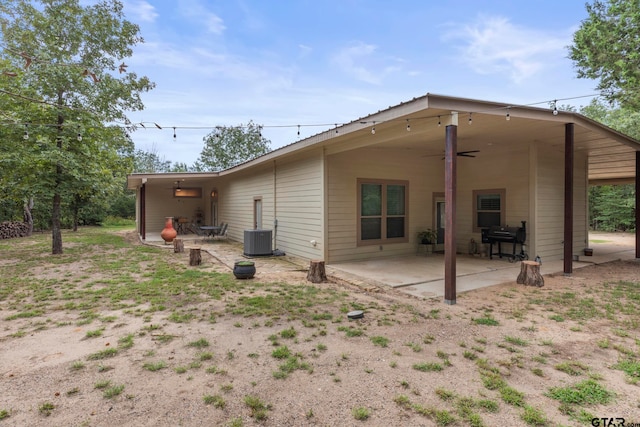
{"x": 611, "y": 155}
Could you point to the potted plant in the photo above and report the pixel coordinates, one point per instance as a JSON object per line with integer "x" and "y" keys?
{"x": 428, "y": 236}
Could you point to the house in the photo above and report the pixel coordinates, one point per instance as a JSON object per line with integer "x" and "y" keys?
{"x": 364, "y": 189}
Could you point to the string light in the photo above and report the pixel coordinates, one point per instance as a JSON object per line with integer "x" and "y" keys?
{"x": 79, "y": 137}
{"x": 128, "y": 126}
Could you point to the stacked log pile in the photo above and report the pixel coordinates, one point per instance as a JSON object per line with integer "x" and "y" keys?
{"x": 13, "y": 229}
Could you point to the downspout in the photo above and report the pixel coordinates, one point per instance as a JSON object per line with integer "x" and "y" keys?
{"x": 275, "y": 206}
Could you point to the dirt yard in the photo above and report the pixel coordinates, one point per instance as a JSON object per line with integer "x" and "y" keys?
{"x": 491, "y": 359}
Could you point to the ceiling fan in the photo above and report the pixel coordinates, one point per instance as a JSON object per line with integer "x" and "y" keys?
{"x": 176, "y": 185}
{"x": 468, "y": 153}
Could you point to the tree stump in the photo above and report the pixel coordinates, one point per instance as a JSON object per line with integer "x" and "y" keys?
{"x": 178, "y": 246}
{"x": 195, "y": 257}
{"x": 316, "y": 272}
{"x": 530, "y": 274}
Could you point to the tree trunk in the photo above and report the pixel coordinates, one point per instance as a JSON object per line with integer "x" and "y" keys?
{"x": 28, "y": 217}
{"x": 195, "y": 257}
{"x": 56, "y": 229}
{"x": 530, "y": 274}
{"x": 178, "y": 246}
{"x": 56, "y": 232}
{"x": 316, "y": 272}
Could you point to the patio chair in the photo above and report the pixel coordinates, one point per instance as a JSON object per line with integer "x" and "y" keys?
{"x": 195, "y": 229}
{"x": 223, "y": 232}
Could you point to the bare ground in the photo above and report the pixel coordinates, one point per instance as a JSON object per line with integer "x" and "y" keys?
{"x": 49, "y": 363}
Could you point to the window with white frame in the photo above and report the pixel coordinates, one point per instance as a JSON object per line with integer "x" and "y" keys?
{"x": 382, "y": 211}
{"x": 488, "y": 208}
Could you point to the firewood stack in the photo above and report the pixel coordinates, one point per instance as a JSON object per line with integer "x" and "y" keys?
{"x": 13, "y": 229}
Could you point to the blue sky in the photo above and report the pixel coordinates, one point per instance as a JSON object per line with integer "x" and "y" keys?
{"x": 285, "y": 62}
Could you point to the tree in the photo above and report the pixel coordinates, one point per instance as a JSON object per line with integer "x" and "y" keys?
{"x": 68, "y": 61}
{"x": 605, "y": 48}
{"x": 229, "y": 146}
{"x": 612, "y": 207}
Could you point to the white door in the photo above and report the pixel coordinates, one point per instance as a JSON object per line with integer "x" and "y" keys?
{"x": 257, "y": 214}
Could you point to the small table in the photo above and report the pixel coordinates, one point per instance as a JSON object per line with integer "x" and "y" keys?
{"x": 210, "y": 230}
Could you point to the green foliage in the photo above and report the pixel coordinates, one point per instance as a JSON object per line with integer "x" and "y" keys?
{"x": 588, "y": 392}
{"x": 605, "y": 48}
{"x": 228, "y": 146}
{"x": 73, "y": 85}
{"x": 612, "y": 207}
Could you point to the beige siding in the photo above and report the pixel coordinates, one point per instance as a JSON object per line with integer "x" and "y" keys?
{"x": 236, "y": 200}
{"x": 291, "y": 192}
{"x": 550, "y": 204}
{"x": 160, "y": 204}
{"x": 425, "y": 176}
{"x": 502, "y": 170}
{"x": 299, "y": 206}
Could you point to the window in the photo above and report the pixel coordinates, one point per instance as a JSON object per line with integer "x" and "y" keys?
{"x": 488, "y": 208}
{"x": 188, "y": 192}
{"x": 382, "y": 211}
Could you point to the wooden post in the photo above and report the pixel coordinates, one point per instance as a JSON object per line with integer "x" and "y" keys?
{"x": 178, "y": 246}
{"x": 316, "y": 272}
{"x": 195, "y": 257}
{"x": 530, "y": 274}
{"x": 450, "y": 155}
{"x": 568, "y": 198}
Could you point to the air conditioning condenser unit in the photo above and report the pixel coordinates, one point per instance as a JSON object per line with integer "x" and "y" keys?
{"x": 257, "y": 242}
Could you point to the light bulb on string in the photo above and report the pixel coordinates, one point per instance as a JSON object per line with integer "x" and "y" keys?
{"x": 373, "y": 129}
{"x": 79, "y": 137}
{"x": 470, "y": 119}
{"x": 174, "y": 133}
{"x": 439, "y": 122}
{"x": 408, "y": 126}
{"x": 26, "y": 132}
{"x": 508, "y": 115}
{"x": 555, "y": 107}
{"x": 298, "y": 131}
{"x": 336, "y": 128}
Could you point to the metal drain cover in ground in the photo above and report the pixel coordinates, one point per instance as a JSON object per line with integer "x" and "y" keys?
{"x": 357, "y": 314}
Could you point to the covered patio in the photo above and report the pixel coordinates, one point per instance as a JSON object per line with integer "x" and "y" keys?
{"x": 417, "y": 274}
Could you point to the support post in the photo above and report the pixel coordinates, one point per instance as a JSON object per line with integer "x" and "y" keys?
{"x": 568, "y": 198}
{"x": 637, "y": 204}
{"x": 450, "y": 155}
{"x": 142, "y": 215}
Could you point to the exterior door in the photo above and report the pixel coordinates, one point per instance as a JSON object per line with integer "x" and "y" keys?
{"x": 257, "y": 213}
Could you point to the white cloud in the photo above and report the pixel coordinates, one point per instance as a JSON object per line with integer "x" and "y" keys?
{"x": 141, "y": 9}
{"x": 493, "y": 45}
{"x": 351, "y": 58}
{"x": 198, "y": 13}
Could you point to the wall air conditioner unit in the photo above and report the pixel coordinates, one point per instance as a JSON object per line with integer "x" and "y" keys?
{"x": 257, "y": 242}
